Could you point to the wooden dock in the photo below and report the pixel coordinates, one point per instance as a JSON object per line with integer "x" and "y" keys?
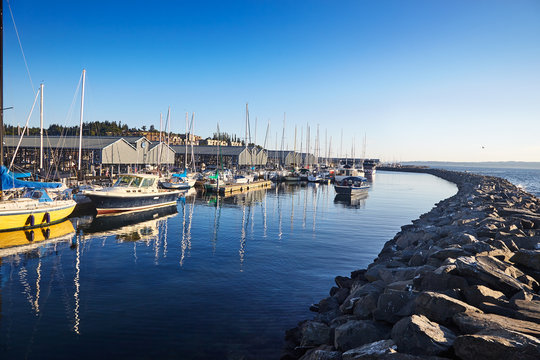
{"x": 235, "y": 188}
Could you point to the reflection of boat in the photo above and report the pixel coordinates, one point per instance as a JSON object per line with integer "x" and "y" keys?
{"x": 130, "y": 226}
{"x": 351, "y": 185}
{"x": 14, "y": 242}
{"x": 132, "y": 192}
{"x": 355, "y": 201}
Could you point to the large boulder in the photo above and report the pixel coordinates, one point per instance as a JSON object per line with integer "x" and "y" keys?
{"x": 314, "y": 334}
{"x": 439, "y": 281}
{"x": 418, "y": 335}
{"x": 322, "y": 353}
{"x": 394, "y": 305}
{"x": 440, "y": 308}
{"x": 356, "y": 333}
{"x": 473, "y": 322}
{"x": 496, "y": 345}
{"x": 528, "y": 258}
{"x": 491, "y": 271}
{"x": 371, "y": 351}
{"x": 478, "y": 294}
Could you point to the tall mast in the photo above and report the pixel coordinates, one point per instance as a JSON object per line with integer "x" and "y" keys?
{"x": 160, "y": 140}
{"x": 81, "y": 124}
{"x": 168, "y": 133}
{"x": 185, "y": 140}
{"x": 1, "y": 87}
{"x": 41, "y": 128}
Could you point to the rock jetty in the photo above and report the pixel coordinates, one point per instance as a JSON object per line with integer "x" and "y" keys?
{"x": 460, "y": 282}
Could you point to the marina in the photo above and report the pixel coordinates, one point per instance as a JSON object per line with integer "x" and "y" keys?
{"x": 269, "y": 180}
{"x": 230, "y": 267}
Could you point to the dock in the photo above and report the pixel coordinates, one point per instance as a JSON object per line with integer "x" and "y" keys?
{"x": 236, "y": 188}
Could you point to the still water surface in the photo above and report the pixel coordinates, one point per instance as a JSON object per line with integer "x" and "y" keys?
{"x": 208, "y": 279}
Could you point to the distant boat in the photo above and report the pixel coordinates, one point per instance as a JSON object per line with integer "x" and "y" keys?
{"x": 351, "y": 185}
{"x": 132, "y": 192}
{"x": 346, "y": 170}
{"x": 369, "y": 166}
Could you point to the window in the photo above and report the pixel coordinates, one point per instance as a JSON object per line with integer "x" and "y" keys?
{"x": 147, "y": 182}
{"x": 123, "y": 181}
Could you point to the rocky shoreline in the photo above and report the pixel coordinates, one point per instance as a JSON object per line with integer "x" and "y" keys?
{"x": 460, "y": 282}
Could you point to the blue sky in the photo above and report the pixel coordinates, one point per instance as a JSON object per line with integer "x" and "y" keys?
{"x": 422, "y": 80}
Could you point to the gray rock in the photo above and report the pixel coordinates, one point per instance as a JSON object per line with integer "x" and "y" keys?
{"x": 441, "y": 308}
{"x": 374, "y": 288}
{"x": 478, "y": 294}
{"x": 473, "y": 322}
{"x": 365, "y": 306}
{"x": 356, "y": 333}
{"x": 343, "y": 282}
{"x": 321, "y": 354}
{"x": 528, "y": 258}
{"x": 418, "y": 335}
{"x": 436, "y": 282}
{"x": 394, "y": 305}
{"x": 314, "y": 334}
{"x": 450, "y": 252}
{"x": 371, "y": 351}
{"x": 498, "y": 344}
{"x": 491, "y": 271}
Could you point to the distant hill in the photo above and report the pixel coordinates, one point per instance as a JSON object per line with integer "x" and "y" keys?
{"x": 486, "y": 164}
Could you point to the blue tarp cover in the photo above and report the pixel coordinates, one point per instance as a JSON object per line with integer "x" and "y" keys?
{"x": 10, "y": 182}
{"x": 184, "y": 174}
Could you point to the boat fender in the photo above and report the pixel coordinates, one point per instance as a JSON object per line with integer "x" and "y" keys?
{"x": 30, "y": 220}
{"x": 30, "y": 235}
{"x": 47, "y": 218}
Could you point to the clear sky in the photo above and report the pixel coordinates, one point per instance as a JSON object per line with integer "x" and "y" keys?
{"x": 422, "y": 80}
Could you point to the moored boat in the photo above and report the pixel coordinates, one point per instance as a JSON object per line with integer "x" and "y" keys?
{"x": 132, "y": 192}
{"x": 34, "y": 208}
{"x": 351, "y": 185}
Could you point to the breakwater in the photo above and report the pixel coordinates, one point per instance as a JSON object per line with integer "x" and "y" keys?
{"x": 461, "y": 282}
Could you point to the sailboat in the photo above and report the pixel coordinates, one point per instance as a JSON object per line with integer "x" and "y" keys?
{"x": 35, "y": 207}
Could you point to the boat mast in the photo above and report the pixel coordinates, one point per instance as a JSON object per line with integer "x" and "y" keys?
{"x": 185, "y": 140}
{"x": 1, "y": 89}
{"x": 81, "y": 123}
{"x": 41, "y": 129}
{"x": 160, "y": 140}
{"x": 191, "y": 132}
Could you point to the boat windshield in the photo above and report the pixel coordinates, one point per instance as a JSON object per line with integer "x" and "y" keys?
{"x": 124, "y": 181}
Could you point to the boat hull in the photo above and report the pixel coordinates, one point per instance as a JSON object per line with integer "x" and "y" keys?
{"x": 350, "y": 190}
{"x": 108, "y": 203}
{"x": 20, "y": 219}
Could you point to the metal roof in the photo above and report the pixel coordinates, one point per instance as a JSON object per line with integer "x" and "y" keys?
{"x": 63, "y": 142}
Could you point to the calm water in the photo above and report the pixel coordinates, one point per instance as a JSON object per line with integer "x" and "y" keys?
{"x": 208, "y": 279}
{"x": 528, "y": 179}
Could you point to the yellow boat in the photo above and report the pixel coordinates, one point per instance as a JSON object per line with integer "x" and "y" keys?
{"x": 28, "y": 213}
{"x": 14, "y": 242}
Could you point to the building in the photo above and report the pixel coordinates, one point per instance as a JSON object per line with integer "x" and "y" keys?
{"x": 99, "y": 155}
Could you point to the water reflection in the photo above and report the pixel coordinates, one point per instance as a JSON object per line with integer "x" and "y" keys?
{"x": 351, "y": 201}
{"x": 20, "y": 241}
